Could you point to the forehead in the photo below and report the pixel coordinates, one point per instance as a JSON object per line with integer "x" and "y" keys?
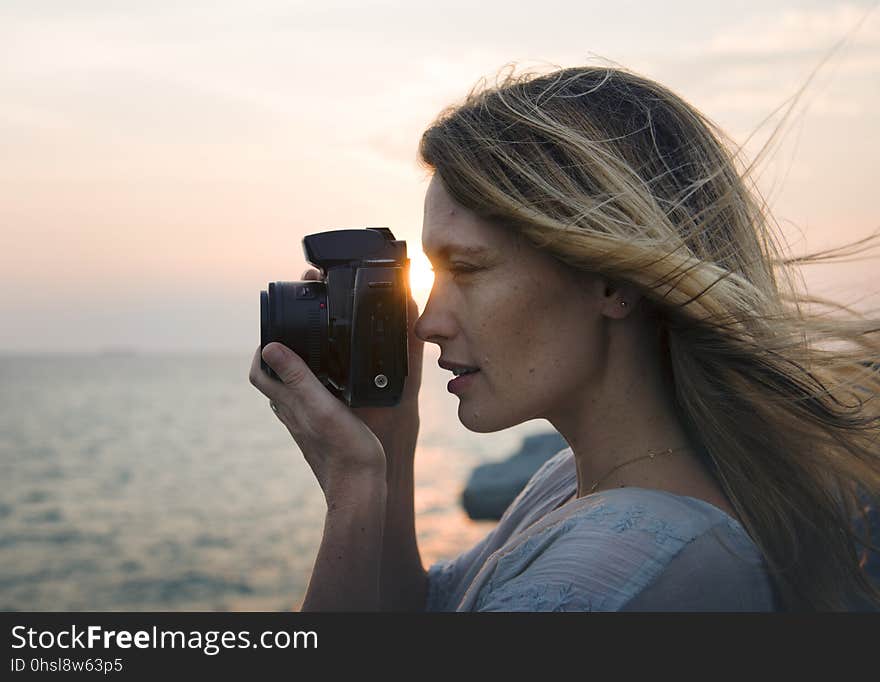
{"x": 450, "y": 228}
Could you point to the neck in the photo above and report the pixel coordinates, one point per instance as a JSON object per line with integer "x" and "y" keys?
{"x": 619, "y": 458}
{"x": 630, "y": 414}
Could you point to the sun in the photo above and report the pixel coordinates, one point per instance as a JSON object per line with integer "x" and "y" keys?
{"x": 421, "y": 278}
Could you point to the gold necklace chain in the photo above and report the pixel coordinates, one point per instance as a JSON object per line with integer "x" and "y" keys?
{"x": 651, "y": 455}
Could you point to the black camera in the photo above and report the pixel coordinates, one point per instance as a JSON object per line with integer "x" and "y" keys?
{"x": 351, "y": 325}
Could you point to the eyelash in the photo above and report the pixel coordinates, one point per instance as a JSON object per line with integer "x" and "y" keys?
{"x": 460, "y": 270}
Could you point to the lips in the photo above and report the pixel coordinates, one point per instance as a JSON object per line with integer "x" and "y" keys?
{"x": 460, "y": 383}
{"x": 446, "y": 364}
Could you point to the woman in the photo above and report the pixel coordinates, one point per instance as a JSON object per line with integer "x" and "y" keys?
{"x": 601, "y": 264}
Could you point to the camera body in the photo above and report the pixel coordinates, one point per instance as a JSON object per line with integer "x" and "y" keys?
{"x": 350, "y": 326}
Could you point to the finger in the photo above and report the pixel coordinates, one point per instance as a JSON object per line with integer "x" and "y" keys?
{"x": 269, "y": 387}
{"x": 412, "y": 314}
{"x": 298, "y": 387}
{"x": 311, "y": 273}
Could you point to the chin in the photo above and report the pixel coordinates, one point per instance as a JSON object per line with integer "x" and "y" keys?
{"x": 480, "y": 421}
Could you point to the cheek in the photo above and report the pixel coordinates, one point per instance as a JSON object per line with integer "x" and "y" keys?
{"x": 503, "y": 311}
{"x": 528, "y": 332}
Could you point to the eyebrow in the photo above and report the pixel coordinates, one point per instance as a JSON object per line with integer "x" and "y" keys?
{"x": 445, "y": 250}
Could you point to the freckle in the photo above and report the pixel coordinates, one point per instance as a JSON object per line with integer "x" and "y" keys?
{"x": 531, "y": 369}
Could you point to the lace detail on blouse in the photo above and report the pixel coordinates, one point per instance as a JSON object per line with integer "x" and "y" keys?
{"x": 546, "y": 597}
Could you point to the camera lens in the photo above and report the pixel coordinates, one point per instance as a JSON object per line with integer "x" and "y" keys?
{"x": 296, "y": 315}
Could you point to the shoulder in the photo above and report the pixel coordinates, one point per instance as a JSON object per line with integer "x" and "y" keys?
{"x": 633, "y": 516}
{"x": 609, "y": 548}
{"x": 716, "y": 571}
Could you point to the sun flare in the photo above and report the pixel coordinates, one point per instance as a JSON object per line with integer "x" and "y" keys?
{"x": 421, "y": 277}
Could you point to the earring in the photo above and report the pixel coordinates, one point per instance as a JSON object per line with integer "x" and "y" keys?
{"x": 623, "y": 304}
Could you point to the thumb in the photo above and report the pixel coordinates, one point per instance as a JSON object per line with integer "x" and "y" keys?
{"x": 413, "y": 315}
{"x": 290, "y": 367}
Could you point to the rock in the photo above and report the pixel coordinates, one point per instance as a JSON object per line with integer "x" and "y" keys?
{"x": 869, "y": 559}
{"x": 493, "y": 486}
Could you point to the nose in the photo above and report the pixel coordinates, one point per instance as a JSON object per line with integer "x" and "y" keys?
{"x": 433, "y": 325}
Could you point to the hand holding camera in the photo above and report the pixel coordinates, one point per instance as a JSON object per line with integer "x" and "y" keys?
{"x": 340, "y": 449}
{"x": 338, "y": 358}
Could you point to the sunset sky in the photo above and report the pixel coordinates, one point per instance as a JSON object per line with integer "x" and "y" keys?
{"x": 161, "y": 161}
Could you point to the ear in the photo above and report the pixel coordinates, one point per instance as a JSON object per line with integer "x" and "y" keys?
{"x": 618, "y": 299}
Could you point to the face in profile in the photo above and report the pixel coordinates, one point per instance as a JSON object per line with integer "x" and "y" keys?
{"x": 532, "y": 326}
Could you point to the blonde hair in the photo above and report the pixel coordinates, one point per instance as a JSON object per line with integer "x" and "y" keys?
{"x": 612, "y": 173}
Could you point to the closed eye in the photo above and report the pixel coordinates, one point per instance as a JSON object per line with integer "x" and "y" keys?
{"x": 459, "y": 269}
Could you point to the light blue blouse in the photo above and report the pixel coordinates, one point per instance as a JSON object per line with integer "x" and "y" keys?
{"x": 616, "y": 550}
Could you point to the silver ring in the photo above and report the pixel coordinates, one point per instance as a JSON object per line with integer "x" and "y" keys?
{"x": 273, "y": 406}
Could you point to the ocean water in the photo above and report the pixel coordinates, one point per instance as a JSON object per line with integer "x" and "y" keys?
{"x": 165, "y": 482}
